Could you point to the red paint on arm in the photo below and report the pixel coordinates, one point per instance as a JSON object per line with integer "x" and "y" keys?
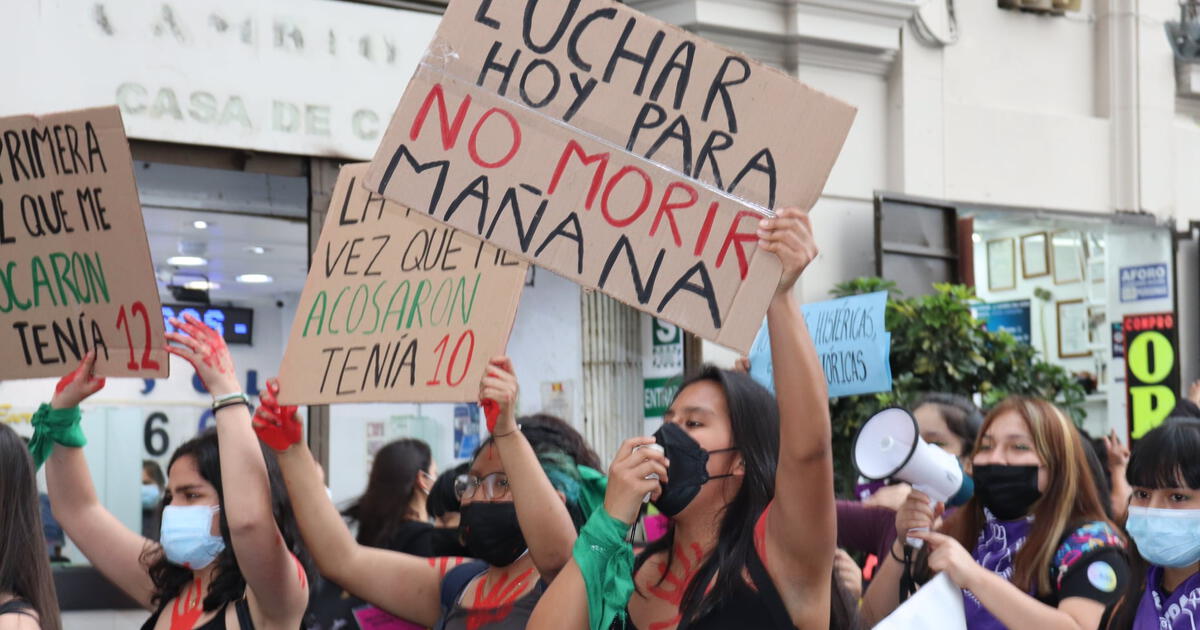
{"x": 491, "y": 411}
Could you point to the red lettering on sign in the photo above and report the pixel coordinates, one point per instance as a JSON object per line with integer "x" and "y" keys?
{"x": 473, "y": 143}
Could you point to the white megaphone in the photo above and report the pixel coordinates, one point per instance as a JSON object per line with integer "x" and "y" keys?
{"x": 889, "y": 446}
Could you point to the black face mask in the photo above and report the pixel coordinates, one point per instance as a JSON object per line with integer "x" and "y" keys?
{"x": 492, "y": 533}
{"x": 688, "y": 470}
{"x": 1007, "y": 491}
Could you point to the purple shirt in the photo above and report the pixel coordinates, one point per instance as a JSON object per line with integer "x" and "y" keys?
{"x": 996, "y": 550}
{"x": 1178, "y": 610}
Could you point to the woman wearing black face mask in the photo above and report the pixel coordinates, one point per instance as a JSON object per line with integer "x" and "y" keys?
{"x": 1033, "y": 548}
{"x": 514, "y": 518}
{"x": 745, "y": 478}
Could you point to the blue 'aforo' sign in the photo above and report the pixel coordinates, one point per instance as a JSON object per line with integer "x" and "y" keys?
{"x": 1145, "y": 282}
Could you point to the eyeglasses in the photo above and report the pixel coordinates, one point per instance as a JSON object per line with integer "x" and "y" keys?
{"x": 495, "y": 486}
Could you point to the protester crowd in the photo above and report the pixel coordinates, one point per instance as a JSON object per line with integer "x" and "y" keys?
{"x": 1062, "y": 531}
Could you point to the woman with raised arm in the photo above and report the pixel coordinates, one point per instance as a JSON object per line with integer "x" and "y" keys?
{"x": 1033, "y": 548}
{"x": 748, "y": 483}
{"x": 225, "y": 559}
{"x": 520, "y": 509}
{"x": 27, "y": 599}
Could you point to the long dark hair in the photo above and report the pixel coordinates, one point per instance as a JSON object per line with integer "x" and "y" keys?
{"x": 1071, "y": 498}
{"x": 442, "y": 499}
{"x": 228, "y": 585}
{"x": 387, "y": 502}
{"x": 754, "y": 417}
{"x": 961, "y": 416}
{"x": 24, "y": 563}
{"x": 1164, "y": 458}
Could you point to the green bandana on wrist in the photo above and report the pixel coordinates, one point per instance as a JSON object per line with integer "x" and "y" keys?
{"x": 51, "y": 426}
{"x": 606, "y": 562}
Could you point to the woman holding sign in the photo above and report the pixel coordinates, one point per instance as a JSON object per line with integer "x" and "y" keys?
{"x": 1164, "y": 522}
{"x": 748, "y": 483}
{"x": 1032, "y": 548}
{"x": 226, "y": 557}
{"x": 521, "y": 503}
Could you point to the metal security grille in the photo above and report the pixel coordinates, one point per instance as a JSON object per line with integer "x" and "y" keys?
{"x": 612, "y": 373}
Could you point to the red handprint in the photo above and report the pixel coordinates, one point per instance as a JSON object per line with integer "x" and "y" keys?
{"x": 205, "y": 349}
{"x": 678, "y": 584}
{"x": 275, "y": 424}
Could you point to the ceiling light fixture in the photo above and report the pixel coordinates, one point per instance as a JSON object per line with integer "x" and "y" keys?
{"x": 202, "y": 285}
{"x": 187, "y": 261}
{"x": 255, "y": 278}
{"x": 257, "y": 249}
{"x": 200, "y": 225}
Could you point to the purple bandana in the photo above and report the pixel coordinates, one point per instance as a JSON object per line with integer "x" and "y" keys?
{"x": 1176, "y": 611}
{"x": 998, "y": 545}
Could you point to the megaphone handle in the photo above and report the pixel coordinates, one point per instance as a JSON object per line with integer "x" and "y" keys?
{"x": 917, "y": 543}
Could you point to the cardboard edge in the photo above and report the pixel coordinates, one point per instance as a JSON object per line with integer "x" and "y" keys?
{"x": 746, "y": 300}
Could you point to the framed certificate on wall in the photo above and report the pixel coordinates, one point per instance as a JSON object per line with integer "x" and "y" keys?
{"x": 1074, "y": 329}
{"x": 1002, "y": 264}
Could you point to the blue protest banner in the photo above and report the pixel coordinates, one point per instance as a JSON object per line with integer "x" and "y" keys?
{"x": 851, "y": 339}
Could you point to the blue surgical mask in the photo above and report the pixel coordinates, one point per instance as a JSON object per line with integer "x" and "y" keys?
{"x": 1167, "y": 538}
{"x": 186, "y": 537}
{"x": 149, "y": 496}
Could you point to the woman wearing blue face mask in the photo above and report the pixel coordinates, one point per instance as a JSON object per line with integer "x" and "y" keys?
{"x": 225, "y": 558}
{"x": 1164, "y": 522}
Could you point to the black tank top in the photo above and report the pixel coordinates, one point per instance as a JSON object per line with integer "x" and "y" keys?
{"x": 17, "y": 607}
{"x": 758, "y": 606}
{"x": 241, "y": 606}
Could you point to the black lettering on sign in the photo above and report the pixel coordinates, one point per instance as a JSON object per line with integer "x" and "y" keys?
{"x": 60, "y": 341}
{"x": 644, "y": 291}
{"x": 403, "y": 154}
{"x": 575, "y": 235}
{"x": 720, "y": 86}
{"x": 570, "y": 7}
{"x": 645, "y": 60}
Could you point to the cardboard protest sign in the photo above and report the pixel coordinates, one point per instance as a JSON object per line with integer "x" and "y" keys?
{"x": 1151, "y": 370}
{"x": 75, "y": 268}
{"x": 850, "y": 335}
{"x": 622, "y": 152}
{"x": 397, "y": 307}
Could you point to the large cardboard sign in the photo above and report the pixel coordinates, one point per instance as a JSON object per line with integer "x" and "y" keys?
{"x": 75, "y": 268}
{"x": 852, "y": 339}
{"x": 615, "y": 149}
{"x": 1151, "y": 370}
{"x": 397, "y": 307}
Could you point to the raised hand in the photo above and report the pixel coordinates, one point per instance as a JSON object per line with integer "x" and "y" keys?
{"x": 789, "y": 236}
{"x": 498, "y": 395}
{"x": 276, "y": 425}
{"x": 75, "y": 387}
{"x": 628, "y": 484}
{"x": 205, "y": 349}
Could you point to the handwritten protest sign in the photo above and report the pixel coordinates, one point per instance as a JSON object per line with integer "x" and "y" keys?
{"x": 850, "y": 336}
{"x": 622, "y": 152}
{"x": 397, "y": 307}
{"x": 75, "y": 269}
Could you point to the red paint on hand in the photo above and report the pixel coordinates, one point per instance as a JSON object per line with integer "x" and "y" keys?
{"x": 491, "y": 411}
{"x": 65, "y": 381}
{"x": 276, "y": 425}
